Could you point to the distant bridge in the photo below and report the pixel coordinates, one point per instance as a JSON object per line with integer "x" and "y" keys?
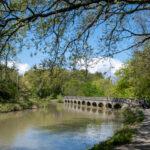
{"x": 102, "y": 102}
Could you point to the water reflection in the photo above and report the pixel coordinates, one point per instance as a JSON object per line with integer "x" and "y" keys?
{"x": 96, "y": 111}
{"x": 61, "y": 126}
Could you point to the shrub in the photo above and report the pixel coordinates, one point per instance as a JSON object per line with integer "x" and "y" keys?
{"x": 133, "y": 116}
{"x": 129, "y": 116}
{"x": 60, "y": 98}
{"x": 139, "y": 115}
{"x": 8, "y": 91}
{"x": 51, "y": 97}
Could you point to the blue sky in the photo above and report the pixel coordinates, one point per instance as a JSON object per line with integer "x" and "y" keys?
{"x": 28, "y": 61}
{"x": 24, "y": 57}
{"x": 25, "y": 62}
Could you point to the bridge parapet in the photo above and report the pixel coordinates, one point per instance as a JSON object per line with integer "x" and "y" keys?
{"x": 102, "y": 99}
{"x": 97, "y": 101}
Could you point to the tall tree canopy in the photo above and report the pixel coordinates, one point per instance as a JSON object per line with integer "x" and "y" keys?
{"x": 135, "y": 75}
{"x": 62, "y": 27}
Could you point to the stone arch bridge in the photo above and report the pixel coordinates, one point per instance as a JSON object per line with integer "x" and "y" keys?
{"x": 101, "y": 102}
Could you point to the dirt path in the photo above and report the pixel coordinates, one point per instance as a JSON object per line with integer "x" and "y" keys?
{"x": 141, "y": 141}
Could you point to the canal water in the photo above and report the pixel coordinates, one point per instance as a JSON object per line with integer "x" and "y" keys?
{"x": 58, "y": 127}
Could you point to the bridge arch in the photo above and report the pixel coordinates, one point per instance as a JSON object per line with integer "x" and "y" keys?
{"x": 68, "y": 101}
{"x": 75, "y": 101}
{"x": 88, "y": 103}
{"x": 94, "y": 104}
{"x": 117, "y": 106}
{"x": 79, "y": 102}
{"x": 108, "y": 105}
{"x": 100, "y": 105}
{"x": 83, "y": 102}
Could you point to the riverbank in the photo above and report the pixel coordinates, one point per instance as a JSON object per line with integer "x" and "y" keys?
{"x": 132, "y": 119}
{"x": 141, "y": 141}
{"x": 21, "y": 105}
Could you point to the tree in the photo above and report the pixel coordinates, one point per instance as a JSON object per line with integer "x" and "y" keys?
{"x": 9, "y": 87}
{"x": 42, "y": 83}
{"x": 135, "y": 76}
{"x": 67, "y": 25}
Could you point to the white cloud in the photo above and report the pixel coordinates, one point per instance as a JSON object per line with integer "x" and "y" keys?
{"x": 22, "y": 68}
{"x": 107, "y": 66}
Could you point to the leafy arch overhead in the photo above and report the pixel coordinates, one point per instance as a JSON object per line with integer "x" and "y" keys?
{"x": 65, "y": 28}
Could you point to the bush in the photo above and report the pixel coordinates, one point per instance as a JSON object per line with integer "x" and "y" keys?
{"x": 129, "y": 116}
{"x": 50, "y": 97}
{"x": 60, "y": 98}
{"x": 133, "y": 116}
{"x": 140, "y": 116}
{"x": 26, "y": 104}
{"x": 8, "y": 91}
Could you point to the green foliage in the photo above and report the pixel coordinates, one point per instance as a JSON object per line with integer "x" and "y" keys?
{"x": 8, "y": 90}
{"x": 90, "y": 89}
{"x": 73, "y": 88}
{"x": 51, "y": 97}
{"x": 44, "y": 83}
{"x": 95, "y": 85}
{"x": 60, "y": 98}
{"x": 21, "y": 105}
{"x": 140, "y": 116}
{"x": 134, "y": 77}
{"x": 129, "y": 116}
{"x": 133, "y": 116}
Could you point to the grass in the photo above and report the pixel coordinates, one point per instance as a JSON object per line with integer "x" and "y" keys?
{"x": 133, "y": 117}
{"x": 21, "y": 105}
{"x": 123, "y": 136}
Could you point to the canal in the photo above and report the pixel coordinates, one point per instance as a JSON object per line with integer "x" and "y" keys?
{"x": 58, "y": 127}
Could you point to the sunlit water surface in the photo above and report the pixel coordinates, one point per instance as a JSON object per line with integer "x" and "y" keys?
{"x": 58, "y": 127}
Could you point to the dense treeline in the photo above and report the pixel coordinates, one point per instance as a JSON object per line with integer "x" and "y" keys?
{"x": 8, "y": 83}
{"x": 135, "y": 76}
{"x": 11, "y": 86}
{"x": 44, "y": 83}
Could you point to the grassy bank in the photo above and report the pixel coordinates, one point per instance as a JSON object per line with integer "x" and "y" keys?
{"x": 58, "y": 99}
{"x": 123, "y": 136}
{"x": 27, "y": 104}
{"x": 21, "y": 105}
